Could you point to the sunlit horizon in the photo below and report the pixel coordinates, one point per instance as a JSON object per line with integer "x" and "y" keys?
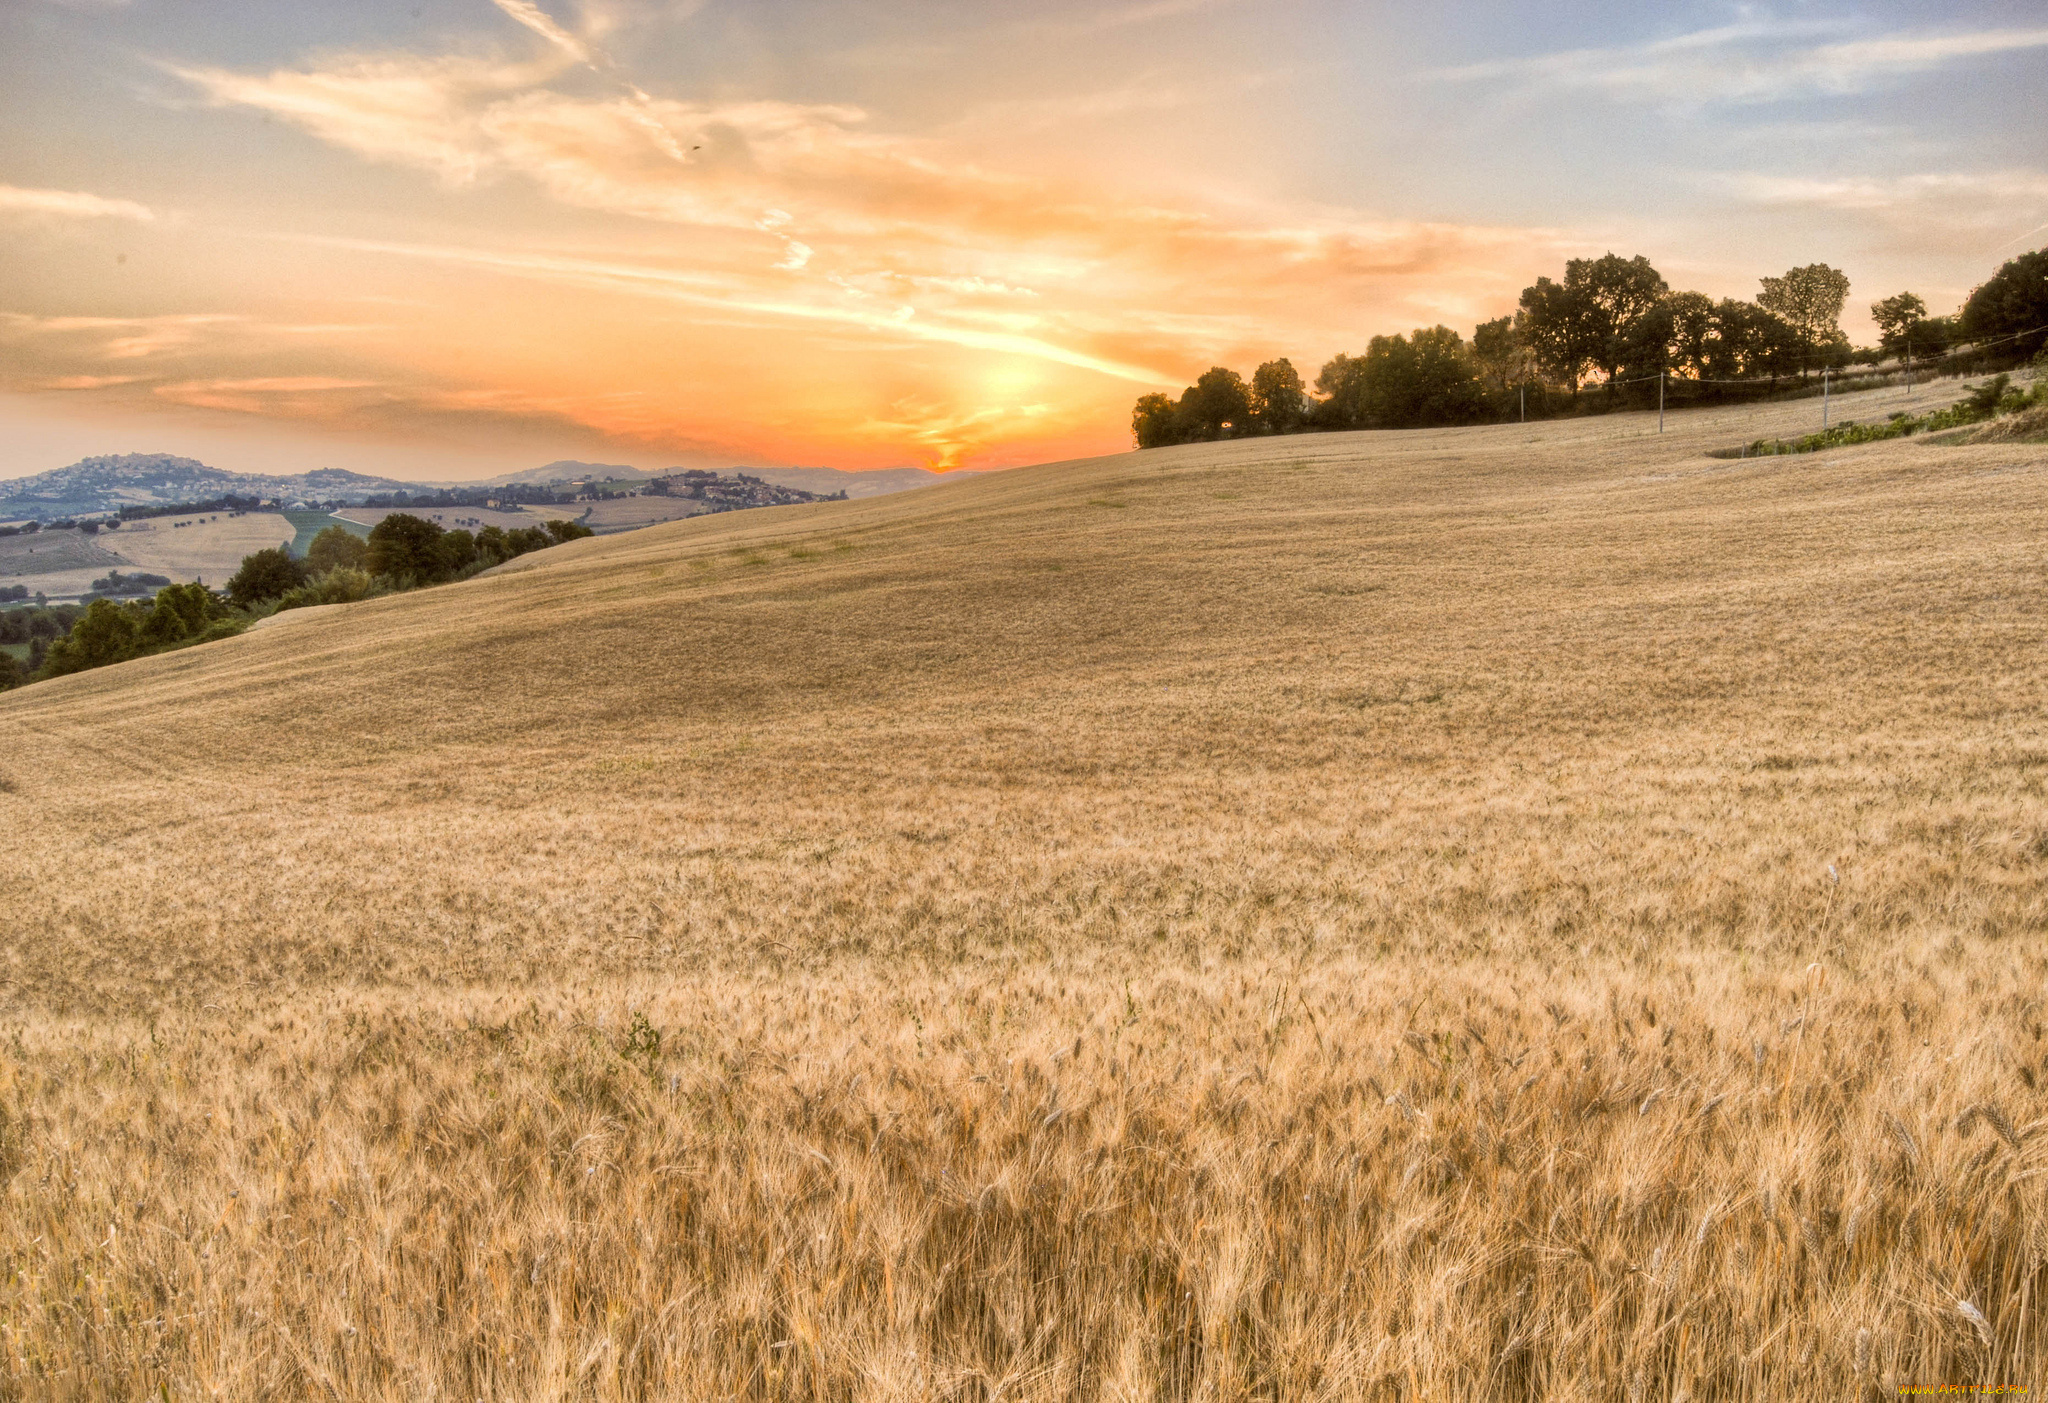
{"x": 439, "y": 241}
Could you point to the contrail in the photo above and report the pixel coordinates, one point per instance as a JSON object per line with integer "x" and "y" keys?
{"x": 598, "y": 61}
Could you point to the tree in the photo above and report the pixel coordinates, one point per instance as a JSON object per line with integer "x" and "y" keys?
{"x": 1219, "y": 402}
{"x": 404, "y": 547}
{"x": 265, "y": 575}
{"x": 1586, "y": 322}
{"x": 1895, "y": 318}
{"x": 1342, "y": 384}
{"x": 1694, "y": 330}
{"x": 1153, "y": 424}
{"x": 179, "y": 612}
{"x": 1498, "y": 355}
{"x": 1618, "y": 292}
{"x": 2015, "y": 300}
{"x": 337, "y": 547}
{"x": 1278, "y": 397}
{"x": 1749, "y": 342}
{"x": 1422, "y": 378}
{"x": 1810, "y": 301}
{"x": 107, "y": 633}
{"x": 455, "y": 552}
{"x": 566, "y": 531}
{"x": 1555, "y": 324}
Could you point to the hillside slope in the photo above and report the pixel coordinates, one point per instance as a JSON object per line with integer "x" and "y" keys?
{"x": 1299, "y": 892}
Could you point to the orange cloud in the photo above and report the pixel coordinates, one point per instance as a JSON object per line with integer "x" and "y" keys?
{"x": 784, "y": 281}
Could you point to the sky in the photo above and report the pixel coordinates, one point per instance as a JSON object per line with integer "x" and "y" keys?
{"x": 441, "y": 239}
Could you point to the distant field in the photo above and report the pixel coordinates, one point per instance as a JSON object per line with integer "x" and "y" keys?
{"x": 205, "y": 546}
{"x": 308, "y": 524}
{"x": 48, "y": 552}
{"x": 1522, "y": 913}
{"x": 18, "y": 651}
{"x": 630, "y": 513}
{"x": 460, "y": 518}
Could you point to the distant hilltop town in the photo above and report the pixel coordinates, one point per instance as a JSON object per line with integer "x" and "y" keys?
{"x": 132, "y": 485}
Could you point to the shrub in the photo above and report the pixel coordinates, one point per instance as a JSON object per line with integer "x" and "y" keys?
{"x": 338, "y": 586}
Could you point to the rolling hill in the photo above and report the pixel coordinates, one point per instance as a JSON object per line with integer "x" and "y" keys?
{"x": 102, "y": 486}
{"x": 1486, "y": 913}
{"x": 874, "y": 482}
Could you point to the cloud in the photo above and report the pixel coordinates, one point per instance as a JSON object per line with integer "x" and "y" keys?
{"x": 538, "y": 20}
{"x": 295, "y": 396}
{"x": 1881, "y": 193}
{"x": 70, "y": 204}
{"x": 711, "y": 291}
{"x": 81, "y": 382}
{"x": 1752, "y": 61}
{"x": 118, "y": 338}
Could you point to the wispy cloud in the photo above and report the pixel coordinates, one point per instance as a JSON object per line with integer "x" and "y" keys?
{"x": 819, "y": 218}
{"x": 70, "y": 204}
{"x": 1753, "y": 61}
{"x": 1977, "y": 189}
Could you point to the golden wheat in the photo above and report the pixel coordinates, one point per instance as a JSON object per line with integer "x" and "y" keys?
{"x": 1497, "y": 914}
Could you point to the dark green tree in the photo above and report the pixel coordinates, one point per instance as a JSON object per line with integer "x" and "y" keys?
{"x": 405, "y": 548}
{"x": 337, "y": 547}
{"x": 1421, "y": 379}
{"x": 455, "y": 551}
{"x": 1342, "y": 384}
{"x": 107, "y": 633}
{"x": 267, "y": 574}
{"x": 1555, "y": 323}
{"x": 1218, "y": 403}
{"x": 1896, "y": 317}
{"x": 1154, "y": 422}
{"x": 1498, "y": 356}
{"x": 2013, "y": 303}
{"x": 180, "y": 611}
{"x": 1690, "y": 332}
{"x": 1810, "y": 301}
{"x": 565, "y": 531}
{"x": 1278, "y": 398}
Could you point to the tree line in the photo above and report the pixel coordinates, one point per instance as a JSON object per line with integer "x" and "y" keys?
{"x": 402, "y": 552}
{"x": 1609, "y": 322}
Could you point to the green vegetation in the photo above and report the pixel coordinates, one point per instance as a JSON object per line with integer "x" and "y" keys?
{"x": 310, "y": 525}
{"x": 1989, "y": 400}
{"x": 402, "y": 552}
{"x": 1614, "y": 324}
{"x": 110, "y": 632}
{"x": 114, "y": 582}
{"x": 343, "y": 547}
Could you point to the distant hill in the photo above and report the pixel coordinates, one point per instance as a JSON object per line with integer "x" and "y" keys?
{"x": 822, "y": 481}
{"x": 101, "y": 486}
{"x": 875, "y": 483}
{"x": 565, "y": 470}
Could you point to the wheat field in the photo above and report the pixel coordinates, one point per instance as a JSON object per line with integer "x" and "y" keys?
{"x": 1532, "y": 912}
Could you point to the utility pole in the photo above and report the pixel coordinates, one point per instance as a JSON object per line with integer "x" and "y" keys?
{"x": 1824, "y": 399}
{"x": 1525, "y": 401}
{"x": 1660, "y": 401}
{"x": 1909, "y": 367}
